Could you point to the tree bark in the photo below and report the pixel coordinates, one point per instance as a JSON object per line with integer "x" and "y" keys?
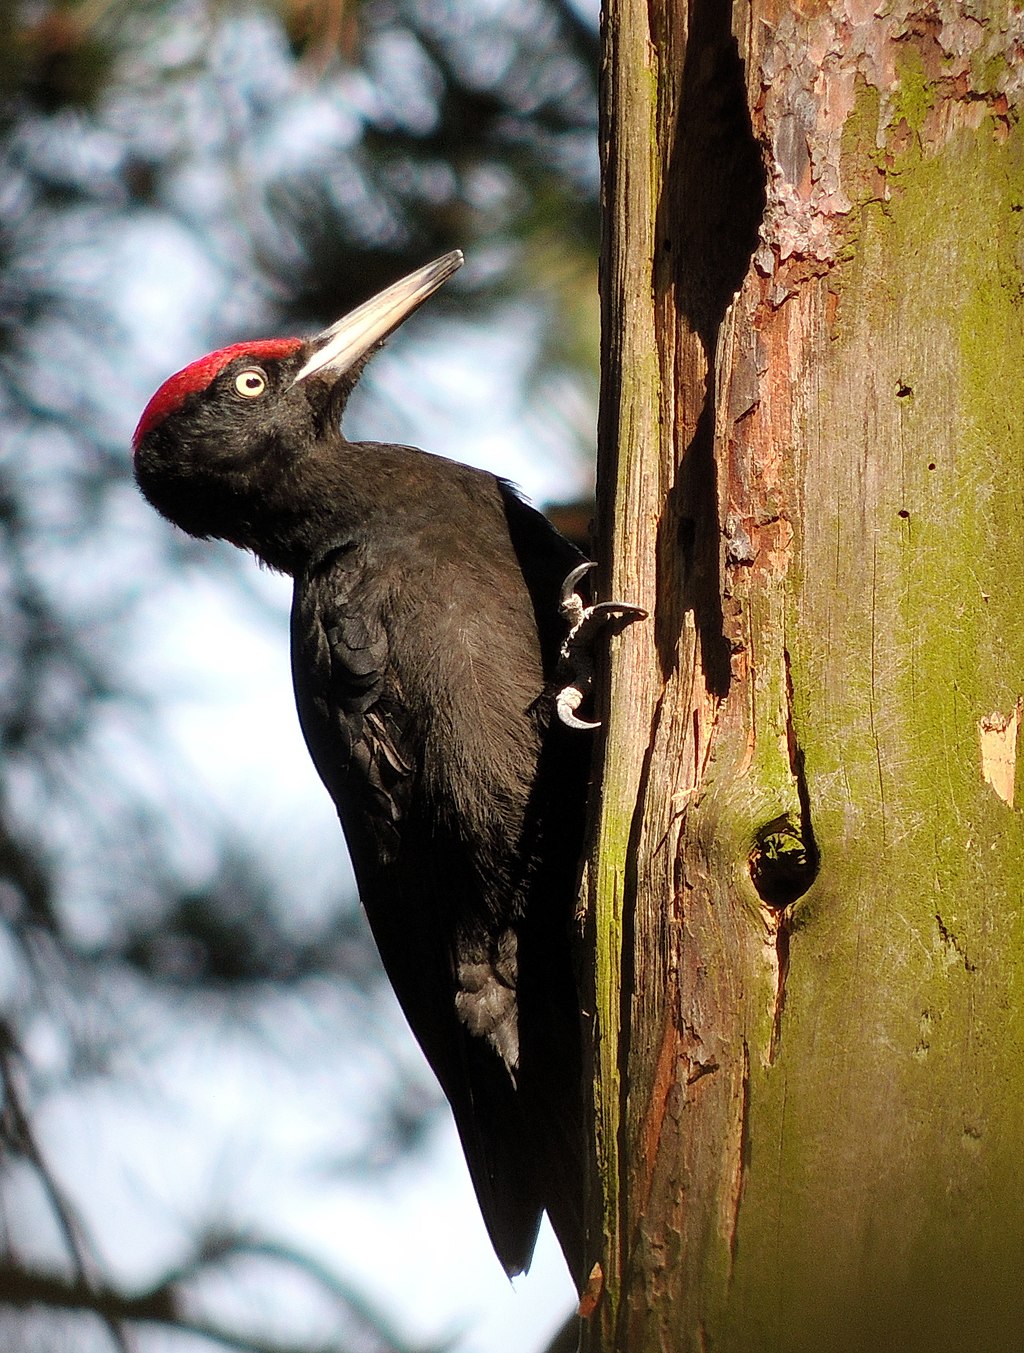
{"x": 805, "y": 894}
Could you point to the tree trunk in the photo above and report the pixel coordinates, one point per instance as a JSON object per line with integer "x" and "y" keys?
{"x": 806, "y": 894}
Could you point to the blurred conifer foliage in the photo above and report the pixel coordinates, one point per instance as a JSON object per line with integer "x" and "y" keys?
{"x": 175, "y": 174}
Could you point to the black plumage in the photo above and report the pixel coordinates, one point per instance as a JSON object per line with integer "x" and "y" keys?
{"x": 425, "y": 639}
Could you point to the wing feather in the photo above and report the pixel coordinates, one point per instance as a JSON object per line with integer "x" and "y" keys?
{"x": 420, "y": 892}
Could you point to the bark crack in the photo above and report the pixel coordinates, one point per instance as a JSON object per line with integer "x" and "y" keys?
{"x": 783, "y": 864}
{"x": 782, "y": 934}
{"x": 742, "y": 1157}
{"x": 953, "y": 946}
{"x": 708, "y": 223}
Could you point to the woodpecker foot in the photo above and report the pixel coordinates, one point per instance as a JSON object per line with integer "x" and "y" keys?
{"x": 576, "y": 658}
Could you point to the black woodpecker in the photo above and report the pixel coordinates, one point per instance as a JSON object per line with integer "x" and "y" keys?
{"x": 425, "y": 637}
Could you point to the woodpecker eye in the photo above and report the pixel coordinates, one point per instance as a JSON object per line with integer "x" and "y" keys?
{"x": 250, "y": 384}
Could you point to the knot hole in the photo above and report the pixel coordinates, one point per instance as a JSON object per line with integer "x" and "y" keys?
{"x": 783, "y": 862}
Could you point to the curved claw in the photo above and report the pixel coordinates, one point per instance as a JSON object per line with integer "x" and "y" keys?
{"x": 569, "y": 585}
{"x": 568, "y": 701}
{"x": 575, "y": 659}
{"x": 608, "y": 610}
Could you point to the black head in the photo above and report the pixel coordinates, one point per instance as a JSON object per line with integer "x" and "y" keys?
{"x": 220, "y": 448}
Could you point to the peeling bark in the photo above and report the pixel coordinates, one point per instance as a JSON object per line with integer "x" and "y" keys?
{"x": 804, "y": 898}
